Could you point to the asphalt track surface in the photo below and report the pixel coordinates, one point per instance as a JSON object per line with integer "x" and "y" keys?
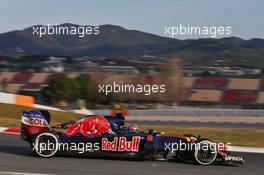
{"x": 199, "y": 124}
{"x": 15, "y": 156}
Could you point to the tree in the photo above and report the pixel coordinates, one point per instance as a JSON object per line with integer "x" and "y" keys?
{"x": 62, "y": 89}
{"x": 93, "y": 95}
{"x": 175, "y": 89}
{"x": 83, "y": 83}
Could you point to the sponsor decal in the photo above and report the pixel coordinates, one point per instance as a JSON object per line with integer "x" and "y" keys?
{"x": 34, "y": 121}
{"x": 121, "y": 144}
{"x": 108, "y": 145}
{"x": 233, "y": 158}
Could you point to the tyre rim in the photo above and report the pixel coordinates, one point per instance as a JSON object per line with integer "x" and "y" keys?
{"x": 205, "y": 156}
{"x": 46, "y": 145}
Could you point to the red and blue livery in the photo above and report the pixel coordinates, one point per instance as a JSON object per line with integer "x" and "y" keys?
{"x": 100, "y": 136}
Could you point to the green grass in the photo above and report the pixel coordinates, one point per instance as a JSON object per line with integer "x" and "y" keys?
{"x": 235, "y": 136}
{"x": 10, "y": 116}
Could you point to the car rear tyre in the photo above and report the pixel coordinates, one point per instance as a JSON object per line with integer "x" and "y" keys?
{"x": 45, "y": 145}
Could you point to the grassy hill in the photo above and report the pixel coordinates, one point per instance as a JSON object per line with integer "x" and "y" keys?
{"x": 118, "y": 42}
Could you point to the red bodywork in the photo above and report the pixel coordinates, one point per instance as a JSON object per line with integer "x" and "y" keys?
{"x": 95, "y": 125}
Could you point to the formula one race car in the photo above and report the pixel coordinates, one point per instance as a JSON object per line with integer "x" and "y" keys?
{"x": 108, "y": 137}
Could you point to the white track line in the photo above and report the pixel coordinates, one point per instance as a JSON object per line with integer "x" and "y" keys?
{"x": 246, "y": 149}
{"x": 2, "y": 129}
{"x": 19, "y": 173}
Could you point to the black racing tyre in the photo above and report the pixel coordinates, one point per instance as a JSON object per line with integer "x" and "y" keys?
{"x": 205, "y": 152}
{"x": 45, "y": 144}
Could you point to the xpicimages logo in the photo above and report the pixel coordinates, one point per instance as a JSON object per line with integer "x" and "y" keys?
{"x": 211, "y": 31}
{"x": 80, "y": 31}
{"x": 146, "y": 89}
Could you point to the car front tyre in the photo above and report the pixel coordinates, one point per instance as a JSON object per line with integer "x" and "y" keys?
{"x": 205, "y": 152}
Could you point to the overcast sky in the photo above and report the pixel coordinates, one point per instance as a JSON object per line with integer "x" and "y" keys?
{"x": 244, "y": 16}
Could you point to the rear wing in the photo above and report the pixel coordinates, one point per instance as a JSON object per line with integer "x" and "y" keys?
{"x": 34, "y": 122}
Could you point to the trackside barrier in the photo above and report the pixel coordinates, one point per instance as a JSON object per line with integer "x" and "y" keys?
{"x": 17, "y": 99}
{"x": 7, "y": 98}
{"x": 189, "y": 112}
{"x": 24, "y": 100}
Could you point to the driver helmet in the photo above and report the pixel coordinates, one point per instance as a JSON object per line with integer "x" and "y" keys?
{"x": 133, "y": 128}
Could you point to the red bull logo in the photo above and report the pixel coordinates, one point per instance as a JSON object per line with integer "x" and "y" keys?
{"x": 121, "y": 144}
{"x": 95, "y": 125}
